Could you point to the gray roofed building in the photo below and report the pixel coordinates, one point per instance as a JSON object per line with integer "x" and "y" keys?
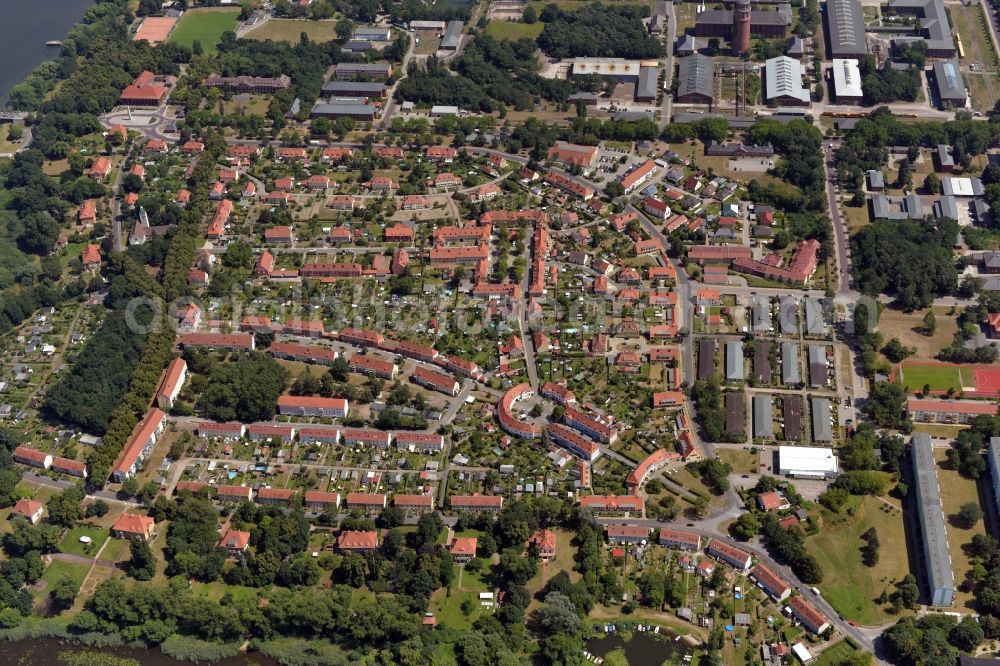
{"x": 687, "y": 45}
{"x": 945, "y": 159}
{"x": 816, "y": 318}
{"x": 356, "y": 111}
{"x": 359, "y": 88}
{"x": 950, "y": 84}
{"x": 452, "y": 36}
{"x": 847, "y": 81}
{"x": 349, "y": 70}
{"x": 645, "y": 89}
{"x": 760, "y": 312}
{"x": 735, "y": 413}
{"x": 962, "y": 187}
{"x": 658, "y": 24}
{"x": 980, "y": 211}
{"x": 933, "y": 533}
{"x": 876, "y": 181}
{"x": 946, "y": 207}
{"x": 794, "y": 48}
{"x": 695, "y": 79}
{"x": 358, "y": 46}
{"x": 993, "y": 458}
{"x": 822, "y": 429}
{"x": 788, "y": 315}
{"x": 734, "y": 361}
{"x": 791, "y": 415}
{"x": 372, "y": 34}
{"x": 935, "y": 28}
{"x": 763, "y": 417}
{"x": 706, "y": 359}
{"x": 817, "y": 366}
{"x": 783, "y": 81}
{"x": 762, "y": 362}
{"x": 790, "y": 372}
{"x": 897, "y": 208}
{"x": 845, "y": 26}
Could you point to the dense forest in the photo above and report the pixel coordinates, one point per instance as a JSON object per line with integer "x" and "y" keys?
{"x": 493, "y": 74}
{"x": 908, "y": 259}
{"x": 598, "y": 30}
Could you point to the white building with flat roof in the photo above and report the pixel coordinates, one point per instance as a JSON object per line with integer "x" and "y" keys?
{"x": 613, "y": 68}
{"x": 807, "y": 462}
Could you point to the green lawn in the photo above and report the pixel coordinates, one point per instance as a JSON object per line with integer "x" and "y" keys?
{"x": 115, "y": 551}
{"x": 849, "y": 585}
{"x": 58, "y": 569}
{"x": 836, "y": 654}
{"x": 71, "y": 542}
{"x": 940, "y": 377}
{"x": 958, "y": 490}
{"x": 204, "y": 25}
{"x": 289, "y": 30}
{"x": 514, "y": 30}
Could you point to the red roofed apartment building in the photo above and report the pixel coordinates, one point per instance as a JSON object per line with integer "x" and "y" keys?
{"x": 372, "y": 365}
{"x": 770, "y": 582}
{"x": 435, "y": 381}
{"x": 650, "y": 464}
{"x": 414, "y": 503}
{"x": 317, "y": 500}
{"x": 173, "y": 381}
{"x": 301, "y": 405}
{"x": 735, "y": 557}
{"x": 615, "y": 504}
{"x": 366, "y": 502}
{"x": 139, "y": 445}
{"x": 476, "y": 502}
{"x": 33, "y": 457}
{"x": 679, "y": 539}
{"x": 572, "y": 154}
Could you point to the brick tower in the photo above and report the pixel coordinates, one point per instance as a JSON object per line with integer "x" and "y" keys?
{"x": 741, "y": 27}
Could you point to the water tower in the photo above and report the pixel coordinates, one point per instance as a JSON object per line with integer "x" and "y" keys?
{"x": 741, "y": 27}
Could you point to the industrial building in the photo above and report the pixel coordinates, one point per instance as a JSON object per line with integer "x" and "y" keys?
{"x": 822, "y": 428}
{"x": 818, "y": 366}
{"x": 807, "y": 462}
{"x": 950, "y": 84}
{"x": 897, "y": 208}
{"x": 696, "y": 80}
{"x": 933, "y": 533}
{"x": 706, "y": 359}
{"x": 365, "y": 112}
{"x": 731, "y": 24}
{"x": 340, "y": 88}
{"x": 846, "y": 81}
{"x": 845, "y": 26}
{"x": 618, "y": 69}
{"x": 783, "y": 82}
{"x": 452, "y": 36}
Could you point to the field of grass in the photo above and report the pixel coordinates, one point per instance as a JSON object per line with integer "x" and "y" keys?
{"x": 838, "y": 653}
{"x": 7, "y": 146}
{"x": 57, "y": 569}
{"x": 71, "y": 542}
{"x": 908, "y": 327}
{"x": 514, "y": 30}
{"x": 959, "y": 491}
{"x": 204, "y": 25}
{"x": 742, "y": 461}
{"x": 563, "y": 561}
{"x": 849, "y": 585}
{"x": 939, "y": 377}
{"x": 289, "y": 30}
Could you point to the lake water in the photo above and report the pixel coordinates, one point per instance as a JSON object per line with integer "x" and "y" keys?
{"x": 43, "y": 652}
{"x": 25, "y": 26}
{"x": 645, "y": 648}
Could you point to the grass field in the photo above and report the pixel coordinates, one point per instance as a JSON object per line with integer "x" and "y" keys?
{"x": 836, "y": 654}
{"x": 849, "y": 585}
{"x": 71, "y": 542}
{"x": 959, "y": 491}
{"x": 514, "y": 30}
{"x": 289, "y": 30}
{"x": 939, "y": 377}
{"x": 204, "y": 25}
{"x": 908, "y": 327}
{"x": 743, "y": 461}
{"x": 57, "y": 569}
